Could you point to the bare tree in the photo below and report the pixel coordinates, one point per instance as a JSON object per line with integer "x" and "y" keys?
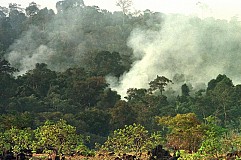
{"x": 125, "y": 6}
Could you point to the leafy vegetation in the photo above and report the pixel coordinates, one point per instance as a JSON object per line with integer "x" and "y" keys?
{"x": 132, "y": 138}
{"x": 63, "y": 101}
{"x": 60, "y": 136}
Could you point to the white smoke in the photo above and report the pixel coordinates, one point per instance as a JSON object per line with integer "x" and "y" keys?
{"x": 200, "y": 49}
{"x": 60, "y": 43}
{"x": 42, "y": 55}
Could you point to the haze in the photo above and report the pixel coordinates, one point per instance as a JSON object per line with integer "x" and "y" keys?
{"x": 221, "y": 9}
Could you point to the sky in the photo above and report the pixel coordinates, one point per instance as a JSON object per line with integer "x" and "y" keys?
{"x": 220, "y": 9}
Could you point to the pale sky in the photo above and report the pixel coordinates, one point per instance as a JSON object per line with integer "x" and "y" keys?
{"x": 223, "y": 9}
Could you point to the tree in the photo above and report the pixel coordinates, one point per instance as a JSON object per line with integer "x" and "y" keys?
{"x": 97, "y": 121}
{"x": 7, "y": 35}
{"x": 7, "y": 82}
{"x": 29, "y": 103}
{"x": 132, "y": 138}
{"x": 59, "y": 136}
{"x": 32, "y": 9}
{"x": 38, "y": 80}
{"x": 39, "y": 18}
{"x": 15, "y": 7}
{"x": 5, "y": 67}
{"x": 159, "y": 84}
{"x": 185, "y": 90}
{"x": 231, "y": 140}
{"x": 213, "y": 83}
{"x": 87, "y": 92}
{"x": 16, "y": 19}
{"x": 108, "y": 99}
{"x": 220, "y": 90}
{"x": 212, "y": 144}
{"x": 107, "y": 63}
{"x": 185, "y": 131}
{"x": 17, "y": 120}
{"x": 136, "y": 94}
{"x": 16, "y": 139}
{"x": 146, "y": 106}
{"x": 122, "y": 114}
{"x": 201, "y": 105}
{"x": 125, "y": 7}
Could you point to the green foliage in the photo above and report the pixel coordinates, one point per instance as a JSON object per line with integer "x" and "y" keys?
{"x": 83, "y": 150}
{"x": 185, "y": 90}
{"x": 97, "y": 121}
{"x": 59, "y": 135}
{"x": 214, "y": 82}
{"x": 7, "y": 82}
{"x": 132, "y": 138}
{"x": 212, "y": 144}
{"x": 185, "y": 131}
{"x": 89, "y": 91}
{"x": 231, "y": 141}
{"x": 16, "y": 139}
{"x": 136, "y": 94}
{"x": 19, "y": 121}
{"x": 220, "y": 90}
{"x": 122, "y": 114}
{"x": 107, "y": 63}
{"x": 37, "y": 80}
{"x": 3, "y": 142}
{"x": 159, "y": 84}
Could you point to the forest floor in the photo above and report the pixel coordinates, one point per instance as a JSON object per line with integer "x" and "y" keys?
{"x": 100, "y": 156}
{"x": 96, "y": 157}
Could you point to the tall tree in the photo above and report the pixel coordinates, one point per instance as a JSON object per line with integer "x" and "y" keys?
{"x": 185, "y": 90}
{"x": 221, "y": 90}
{"x": 32, "y": 9}
{"x": 159, "y": 84}
{"x": 7, "y": 83}
{"x": 125, "y": 7}
{"x": 17, "y": 19}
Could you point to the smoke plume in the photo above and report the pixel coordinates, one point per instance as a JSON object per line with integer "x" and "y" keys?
{"x": 63, "y": 42}
{"x": 199, "y": 49}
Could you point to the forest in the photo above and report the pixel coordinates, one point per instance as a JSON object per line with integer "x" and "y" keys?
{"x": 57, "y": 89}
